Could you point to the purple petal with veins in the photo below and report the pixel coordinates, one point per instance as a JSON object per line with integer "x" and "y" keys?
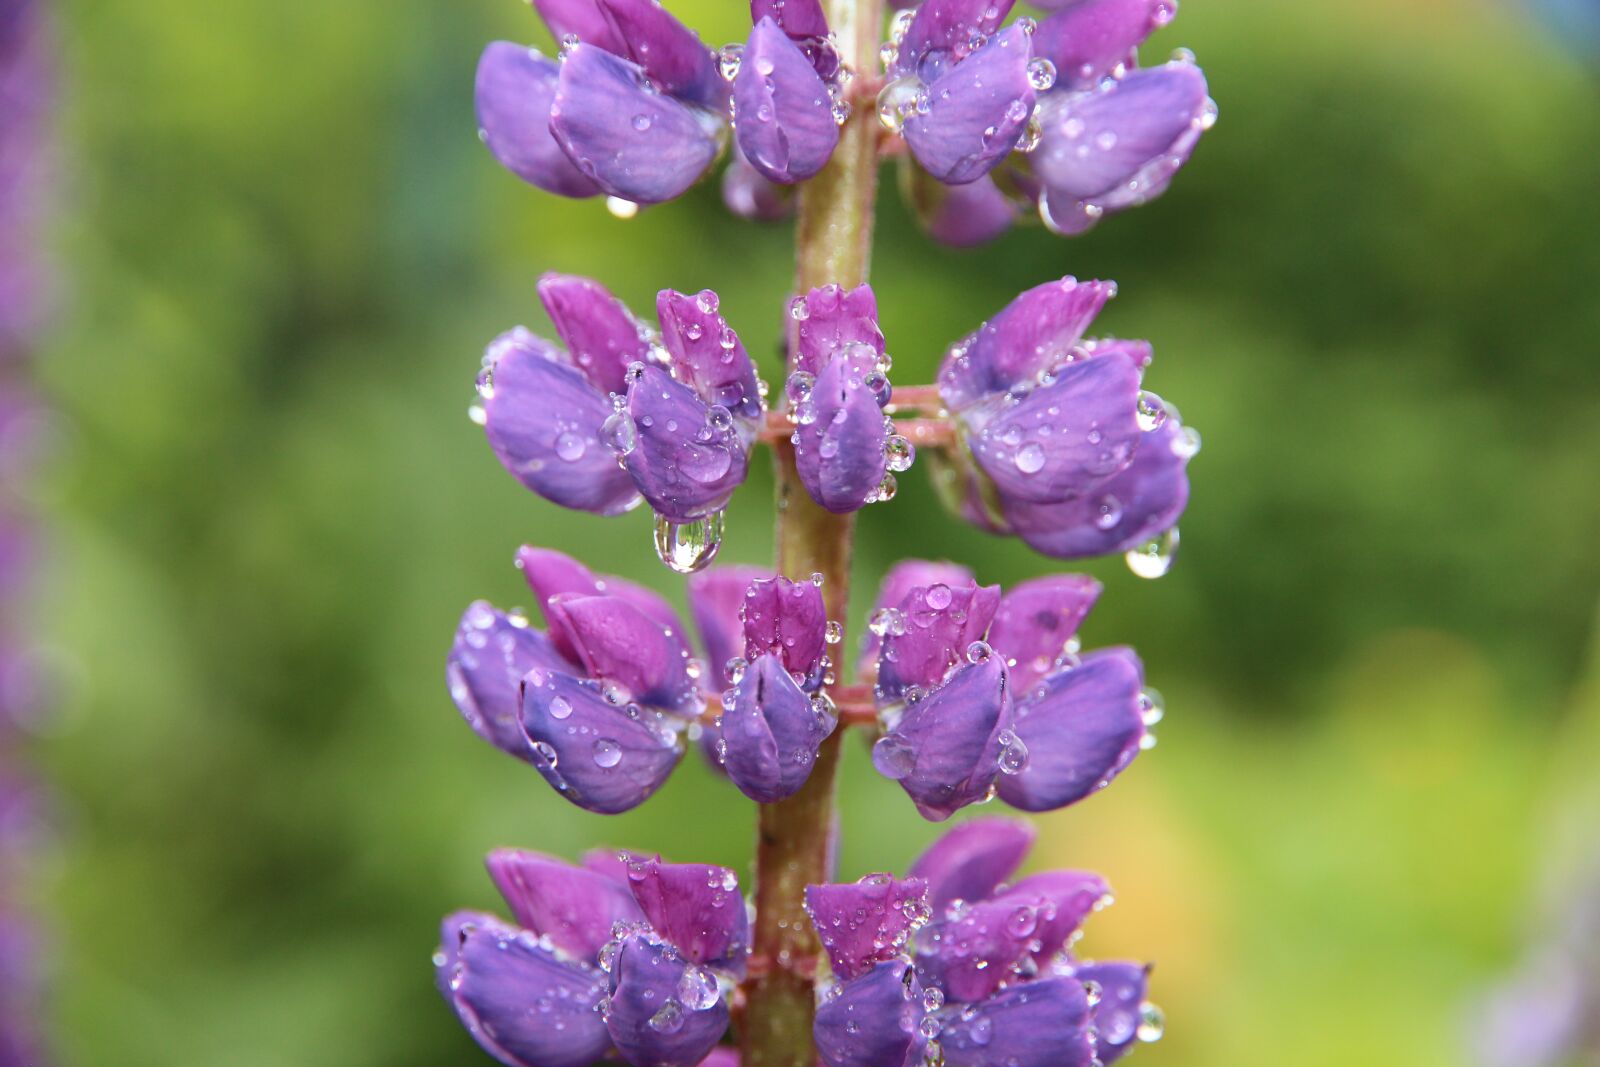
{"x": 1119, "y": 1011}
{"x": 515, "y": 87}
{"x": 787, "y": 619}
{"x": 715, "y": 599}
{"x": 783, "y": 114}
{"x": 1089, "y": 39}
{"x": 867, "y": 922}
{"x": 943, "y": 32}
{"x": 771, "y": 732}
{"x": 976, "y": 111}
{"x": 575, "y": 908}
{"x": 688, "y": 460}
{"x": 900, "y": 580}
{"x": 831, "y": 319}
{"x": 550, "y": 573}
{"x": 1032, "y": 1024}
{"x": 670, "y": 52}
{"x": 604, "y": 757}
{"x": 650, "y": 1021}
{"x": 936, "y": 626}
{"x": 872, "y": 1022}
{"x": 618, "y": 642}
{"x": 945, "y": 749}
{"x": 597, "y": 328}
{"x": 840, "y": 454}
{"x": 487, "y": 661}
{"x": 695, "y": 906}
{"x": 707, "y": 353}
{"x": 1036, "y": 620}
{"x": 971, "y": 860}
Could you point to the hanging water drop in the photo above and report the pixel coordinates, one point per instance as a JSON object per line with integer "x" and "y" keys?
{"x": 1151, "y": 411}
{"x": 898, "y": 453}
{"x": 689, "y": 546}
{"x": 620, "y": 208}
{"x": 1154, "y": 557}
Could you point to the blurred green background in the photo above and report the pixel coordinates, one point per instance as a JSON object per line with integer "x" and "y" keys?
{"x": 1373, "y": 290}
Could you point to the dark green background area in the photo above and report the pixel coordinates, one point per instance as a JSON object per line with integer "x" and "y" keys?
{"x": 1372, "y": 290}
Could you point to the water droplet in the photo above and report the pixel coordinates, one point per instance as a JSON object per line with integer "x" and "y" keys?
{"x": 1154, "y": 557}
{"x": 560, "y": 708}
{"x": 619, "y": 433}
{"x": 669, "y": 1020}
{"x": 607, "y": 753}
{"x": 886, "y": 490}
{"x": 979, "y": 652}
{"x": 834, "y": 632}
{"x": 477, "y": 414}
{"x": 546, "y": 752}
{"x": 981, "y": 1031}
{"x": 1187, "y": 444}
{"x": 1041, "y": 73}
{"x": 734, "y": 669}
{"x": 697, "y": 988}
{"x": 689, "y": 546}
{"x": 1106, "y": 140}
{"x": 1152, "y": 707}
{"x": 901, "y": 23}
{"x": 932, "y": 999}
{"x": 1030, "y": 458}
{"x": 1013, "y": 753}
{"x": 728, "y": 61}
{"x": 620, "y": 208}
{"x": 1152, "y": 1024}
{"x": 1108, "y": 512}
{"x": 570, "y": 446}
{"x": 898, "y": 101}
{"x": 1151, "y": 411}
{"x": 764, "y": 66}
{"x": 893, "y": 756}
{"x": 938, "y": 596}
{"x": 877, "y": 384}
{"x": 899, "y": 453}
{"x": 799, "y": 310}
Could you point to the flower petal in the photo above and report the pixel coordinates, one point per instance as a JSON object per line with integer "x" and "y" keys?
{"x": 515, "y": 87}
{"x": 974, "y": 949}
{"x": 971, "y": 860}
{"x": 976, "y": 111}
{"x": 667, "y": 50}
{"x": 771, "y": 732}
{"x": 872, "y": 1020}
{"x": 840, "y": 452}
{"x": 1034, "y": 333}
{"x": 1117, "y": 1014}
{"x": 961, "y": 216}
{"x": 550, "y": 573}
{"x": 788, "y": 620}
{"x": 945, "y": 750}
{"x": 1062, "y": 901}
{"x": 488, "y": 658}
{"x": 520, "y": 1002}
{"x": 687, "y": 461}
{"x": 597, "y": 328}
{"x": 1034, "y": 1024}
{"x": 1128, "y": 509}
{"x": 649, "y": 1019}
{"x": 574, "y": 907}
{"x": 867, "y": 922}
{"x": 543, "y": 419}
{"x": 830, "y": 320}
{"x": 631, "y": 140}
{"x": 783, "y": 115}
{"x": 1141, "y": 129}
{"x": 1065, "y": 438}
{"x": 618, "y": 642}
{"x": 695, "y": 906}
{"x": 715, "y": 599}
{"x": 707, "y": 353}
{"x": 1036, "y": 620}
{"x": 1089, "y": 39}
{"x": 583, "y": 19}
{"x": 750, "y": 196}
{"x": 900, "y": 580}
{"x": 931, "y": 633}
{"x": 943, "y": 32}
{"x": 600, "y": 756}
{"x": 1081, "y": 727}
{"x": 799, "y": 18}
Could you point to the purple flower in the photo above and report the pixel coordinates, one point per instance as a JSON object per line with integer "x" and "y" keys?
{"x": 845, "y": 447}
{"x": 598, "y": 703}
{"x": 989, "y": 980}
{"x": 774, "y": 718}
{"x": 622, "y": 412}
{"x": 981, "y": 693}
{"x": 784, "y": 99}
{"x": 633, "y": 108}
{"x": 1062, "y": 446}
{"x": 611, "y": 957}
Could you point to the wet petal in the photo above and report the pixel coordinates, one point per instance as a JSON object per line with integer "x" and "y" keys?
{"x": 707, "y": 353}
{"x": 1118, "y": 1013}
{"x": 687, "y": 461}
{"x": 550, "y": 573}
{"x": 1142, "y": 501}
{"x": 935, "y": 627}
{"x": 597, "y": 328}
{"x": 971, "y": 860}
{"x": 783, "y": 114}
{"x": 515, "y": 88}
{"x": 771, "y": 732}
{"x": 961, "y": 216}
{"x": 695, "y": 906}
{"x": 1034, "y": 333}
{"x": 669, "y": 51}
{"x": 583, "y": 19}
{"x": 830, "y": 320}
{"x": 1034, "y": 1024}
{"x": 900, "y": 580}
{"x": 945, "y": 750}
{"x": 1062, "y": 900}
{"x": 865, "y": 923}
{"x": 973, "y": 949}
{"x": 651, "y": 1021}
{"x": 1036, "y": 620}
{"x": 799, "y": 18}
{"x": 543, "y": 419}
{"x": 976, "y": 111}
{"x": 1089, "y": 39}
{"x": 1064, "y": 438}
{"x": 1081, "y": 728}
{"x": 574, "y": 907}
{"x": 872, "y": 1020}
{"x": 484, "y": 670}
{"x": 520, "y": 1002}
{"x": 750, "y": 196}
{"x": 631, "y": 140}
{"x": 1141, "y": 352}
{"x": 715, "y": 598}
{"x": 602, "y": 757}
{"x": 840, "y": 453}
{"x": 618, "y": 642}
{"x": 1140, "y": 130}
{"x": 788, "y": 620}
{"x": 943, "y": 33}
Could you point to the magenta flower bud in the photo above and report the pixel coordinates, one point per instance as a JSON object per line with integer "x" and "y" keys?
{"x": 1118, "y": 1014}
{"x": 706, "y": 352}
{"x": 689, "y": 457}
{"x": 787, "y": 620}
{"x": 514, "y": 90}
{"x": 841, "y": 452}
{"x": 783, "y": 113}
{"x": 1033, "y": 1024}
{"x": 550, "y": 573}
{"x": 975, "y": 948}
{"x": 1060, "y": 902}
{"x": 868, "y": 922}
{"x": 716, "y": 600}
{"x": 929, "y": 633}
{"x": 664, "y": 1010}
{"x": 975, "y": 111}
{"x": 594, "y": 747}
{"x": 971, "y": 860}
{"x": 946, "y": 749}
{"x": 488, "y": 659}
{"x": 1079, "y": 729}
{"x": 521, "y": 1002}
{"x": 873, "y": 1020}
{"x": 944, "y": 32}
{"x": 573, "y": 907}
{"x": 799, "y": 18}
{"x": 829, "y": 320}
{"x": 695, "y": 906}
{"x": 771, "y": 730}
{"x": 674, "y": 57}
{"x": 1107, "y": 149}
{"x": 602, "y": 335}
{"x": 900, "y": 580}
{"x": 1087, "y": 40}
{"x": 618, "y": 642}
{"x": 543, "y": 418}
{"x": 1035, "y": 622}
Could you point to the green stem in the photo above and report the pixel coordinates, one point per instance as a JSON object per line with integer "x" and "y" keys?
{"x": 833, "y": 244}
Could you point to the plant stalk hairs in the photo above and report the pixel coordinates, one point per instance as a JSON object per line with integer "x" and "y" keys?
{"x": 1034, "y": 428}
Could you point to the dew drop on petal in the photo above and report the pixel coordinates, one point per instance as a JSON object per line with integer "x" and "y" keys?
{"x": 607, "y": 753}
{"x": 1030, "y": 458}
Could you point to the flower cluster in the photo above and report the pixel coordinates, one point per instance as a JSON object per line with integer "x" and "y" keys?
{"x": 998, "y": 120}
{"x": 955, "y": 965}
